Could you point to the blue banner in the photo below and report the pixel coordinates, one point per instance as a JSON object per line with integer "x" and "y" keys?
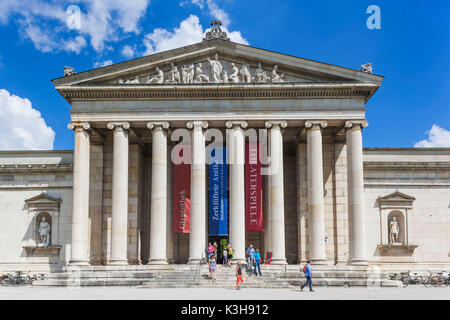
{"x": 217, "y": 192}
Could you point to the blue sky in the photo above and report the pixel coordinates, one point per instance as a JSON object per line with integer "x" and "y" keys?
{"x": 412, "y": 50}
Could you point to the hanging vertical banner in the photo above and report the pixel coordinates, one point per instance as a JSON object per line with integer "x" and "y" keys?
{"x": 217, "y": 192}
{"x": 181, "y": 189}
{"x": 253, "y": 188}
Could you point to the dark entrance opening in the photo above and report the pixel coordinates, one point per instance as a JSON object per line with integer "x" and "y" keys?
{"x": 222, "y": 242}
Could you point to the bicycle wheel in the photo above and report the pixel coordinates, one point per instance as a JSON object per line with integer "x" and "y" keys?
{"x": 405, "y": 281}
{"x": 427, "y": 282}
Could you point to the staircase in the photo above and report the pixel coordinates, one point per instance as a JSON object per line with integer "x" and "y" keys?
{"x": 194, "y": 276}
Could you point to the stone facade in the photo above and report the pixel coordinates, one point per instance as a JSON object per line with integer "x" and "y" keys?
{"x": 110, "y": 200}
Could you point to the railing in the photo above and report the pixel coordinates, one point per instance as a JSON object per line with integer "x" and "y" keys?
{"x": 197, "y": 271}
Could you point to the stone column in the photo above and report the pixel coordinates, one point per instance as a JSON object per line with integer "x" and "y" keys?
{"x": 158, "y": 221}
{"x": 316, "y": 214}
{"x": 80, "y": 206}
{"x": 355, "y": 181}
{"x": 197, "y": 236}
{"x": 276, "y": 191}
{"x": 119, "y": 214}
{"x": 237, "y": 188}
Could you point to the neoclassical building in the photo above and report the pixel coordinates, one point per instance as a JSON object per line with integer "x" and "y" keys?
{"x": 122, "y": 197}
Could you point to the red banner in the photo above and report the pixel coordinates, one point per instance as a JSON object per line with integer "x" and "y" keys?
{"x": 253, "y": 189}
{"x": 181, "y": 189}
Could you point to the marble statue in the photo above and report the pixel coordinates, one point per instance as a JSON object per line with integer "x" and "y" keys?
{"x": 225, "y": 76}
{"x": 276, "y": 78}
{"x": 216, "y": 69}
{"x": 133, "y": 81}
{"x": 394, "y": 230}
{"x": 234, "y": 76}
{"x": 159, "y": 78}
{"x": 44, "y": 233}
{"x": 190, "y": 73}
{"x": 201, "y": 77}
{"x": 260, "y": 75}
{"x": 366, "y": 68}
{"x": 174, "y": 74}
{"x": 245, "y": 73}
{"x": 68, "y": 71}
{"x": 120, "y": 81}
{"x": 216, "y": 32}
{"x": 184, "y": 74}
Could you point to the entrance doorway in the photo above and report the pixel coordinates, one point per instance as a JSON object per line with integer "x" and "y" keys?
{"x": 222, "y": 242}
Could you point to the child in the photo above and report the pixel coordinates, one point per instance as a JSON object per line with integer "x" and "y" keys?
{"x": 212, "y": 268}
{"x": 225, "y": 256}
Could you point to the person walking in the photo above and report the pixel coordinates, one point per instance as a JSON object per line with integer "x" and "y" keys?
{"x": 210, "y": 250}
{"x": 230, "y": 254}
{"x": 212, "y": 268}
{"x": 250, "y": 257}
{"x": 257, "y": 259}
{"x": 215, "y": 246}
{"x": 225, "y": 256}
{"x": 308, "y": 274}
{"x": 238, "y": 276}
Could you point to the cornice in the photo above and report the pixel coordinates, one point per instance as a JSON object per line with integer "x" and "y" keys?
{"x": 214, "y": 91}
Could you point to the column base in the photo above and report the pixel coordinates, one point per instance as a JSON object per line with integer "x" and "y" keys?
{"x": 357, "y": 262}
{"x": 118, "y": 263}
{"x": 319, "y": 262}
{"x": 194, "y": 261}
{"x": 157, "y": 261}
{"x": 78, "y": 263}
{"x": 281, "y": 261}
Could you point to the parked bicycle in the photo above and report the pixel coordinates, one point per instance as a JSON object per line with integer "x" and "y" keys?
{"x": 19, "y": 278}
{"x": 437, "y": 280}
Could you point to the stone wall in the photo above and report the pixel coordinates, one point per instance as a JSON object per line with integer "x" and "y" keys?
{"x": 24, "y": 175}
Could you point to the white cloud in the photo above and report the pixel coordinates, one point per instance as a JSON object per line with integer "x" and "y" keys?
{"x": 128, "y": 51}
{"x": 45, "y": 22}
{"x": 189, "y": 32}
{"x": 437, "y": 138}
{"x": 100, "y": 64}
{"x": 23, "y": 127}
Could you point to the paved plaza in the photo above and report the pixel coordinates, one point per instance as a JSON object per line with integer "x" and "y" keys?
{"x": 129, "y": 293}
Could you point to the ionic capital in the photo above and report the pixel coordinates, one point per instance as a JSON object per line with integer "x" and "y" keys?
{"x": 276, "y": 124}
{"x": 118, "y": 125}
{"x": 79, "y": 126}
{"x": 316, "y": 124}
{"x": 236, "y": 124}
{"x": 197, "y": 124}
{"x": 358, "y": 124}
{"x": 158, "y": 125}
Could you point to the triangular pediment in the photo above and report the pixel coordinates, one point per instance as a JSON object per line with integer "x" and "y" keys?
{"x": 216, "y": 62}
{"x": 43, "y": 198}
{"x": 397, "y": 195}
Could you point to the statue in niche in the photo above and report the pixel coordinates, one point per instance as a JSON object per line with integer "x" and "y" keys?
{"x": 174, "y": 74}
{"x": 394, "y": 230}
{"x": 201, "y": 77}
{"x": 158, "y": 79}
{"x": 260, "y": 74}
{"x": 44, "y": 232}
{"x": 133, "y": 81}
{"x": 276, "y": 78}
{"x": 245, "y": 73}
{"x": 216, "y": 69}
{"x": 234, "y": 76}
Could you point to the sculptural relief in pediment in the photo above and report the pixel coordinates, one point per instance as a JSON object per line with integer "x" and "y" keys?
{"x": 213, "y": 70}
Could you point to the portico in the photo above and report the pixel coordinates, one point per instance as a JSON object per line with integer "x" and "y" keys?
{"x": 302, "y": 116}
